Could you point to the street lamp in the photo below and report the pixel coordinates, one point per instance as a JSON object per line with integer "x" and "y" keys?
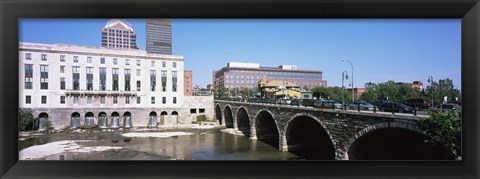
{"x": 344, "y": 76}
{"x": 353, "y": 94}
{"x": 430, "y": 80}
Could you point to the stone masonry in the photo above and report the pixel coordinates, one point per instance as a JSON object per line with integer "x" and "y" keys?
{"x": 343, "y": 127}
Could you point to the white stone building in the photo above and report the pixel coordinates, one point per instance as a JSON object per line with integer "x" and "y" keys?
{"x": 72, "y": 85}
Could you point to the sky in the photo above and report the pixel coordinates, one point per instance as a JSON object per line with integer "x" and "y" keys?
{"x": 402, "y": 50}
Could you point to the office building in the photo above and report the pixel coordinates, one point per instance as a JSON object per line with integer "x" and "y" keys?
{"x": 119, "y": 34}
{"x": 247, "y": 75}
{"x": 159, "y": 36}
{"x": 72, "y": 85}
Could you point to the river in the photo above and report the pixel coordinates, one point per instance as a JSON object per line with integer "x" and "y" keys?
{"x": 164, "y": 144}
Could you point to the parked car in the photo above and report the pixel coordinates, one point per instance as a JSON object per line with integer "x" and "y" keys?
{"x": 418, "y": 103}
{"x": 308, "y": 102}
{"x": 396, "y": 107}
{"x": 447, "y": 107}
{"x": 364, "y": 105}
{"x": 295, "y": 102}
{"x": 329, "y": 103}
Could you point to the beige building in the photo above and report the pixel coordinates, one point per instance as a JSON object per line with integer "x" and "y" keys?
{"x": 276, "y": 88}
{"x": 118, "y": 33}
{"x": 74, "y": 86}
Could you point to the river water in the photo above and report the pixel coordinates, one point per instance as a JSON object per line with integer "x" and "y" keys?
{"x": 200, "y": 144}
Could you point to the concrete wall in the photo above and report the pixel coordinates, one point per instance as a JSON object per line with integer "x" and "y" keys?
{"x": 198, "y": 103}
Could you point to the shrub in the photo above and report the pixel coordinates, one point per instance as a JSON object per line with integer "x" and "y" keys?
{"x": 443, "y": 129}
{"x": 24, "y": 118}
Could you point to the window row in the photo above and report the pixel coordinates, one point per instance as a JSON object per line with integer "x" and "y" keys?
{"x": 102, "y": 100}
{"x": 75, "y": 59}
{"x": 102, "y": 80}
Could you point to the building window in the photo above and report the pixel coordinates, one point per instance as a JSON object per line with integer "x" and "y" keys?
{"x": 89, "y": 99}
{"x": 138, "y": 99}
{"x": 89, "y": 78}
{"x": 138, "y": 85}
{"x": 139, "y": 72}
{"x": 201, "y": 110}
{"x": 164, "y": 80}
{"x": 44, "y": 99}
{"x": 28, "y": 99}
{"x": 174, "y": 100}
{"x": 153, "y": 63}
{"x": 28, "y": 76}
{"x": 62, "y": 99}
{"x": 164, "y": 100}
{"x": 44, "y": 57}
{"x": 62, "y": 69}
{"x": 62, "y": 83}
{"x": 89, "y": 59}
{"x": 127, "y": 79}
{"x": 193, "y": 111}
{"x": 174, "y": 64}
{"x": 153, "y": 79}
{"x": 127, "y": 100}
{"x": 153, "y": 100}
{"x": 127, "y": 62}
{"x": 115, "y": 61}
{"x": 75, "y": 59}
{"x": 75, "y": 99}
{"x": 103, "y": 78}
{"x": 115, "y": 100}
{"x": 28, "y": 56}
{"x": 102, "y": 100}
{"x": 43, "y": 76}
{"x": 138, "y": 63}
{"x": 76, "y": 78}
{"x": 174, "y": 81}
{"x": 164, "y": 64}
{"x": 115, "y": 79}
{"x": 102, "y": 60}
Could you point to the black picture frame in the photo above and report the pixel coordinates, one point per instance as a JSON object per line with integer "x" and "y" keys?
{"x": 11, "y": 11}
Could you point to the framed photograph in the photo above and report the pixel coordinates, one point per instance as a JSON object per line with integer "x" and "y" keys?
{"x": 217, "y": 88}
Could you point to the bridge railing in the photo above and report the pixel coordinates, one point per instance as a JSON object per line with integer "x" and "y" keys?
{"x": 303, "y": 104}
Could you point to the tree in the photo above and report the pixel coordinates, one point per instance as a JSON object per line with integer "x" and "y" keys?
{"x": 221, "y": 93}
{"x": 25, "y": 118}
{"x": 389, "y": 90}
{"x": 443, "y": 129}
{"x": 330, "y": 93}
{"x": 444, "y": 87}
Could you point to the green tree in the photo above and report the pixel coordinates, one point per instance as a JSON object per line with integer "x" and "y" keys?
{"x": 444, "y": 87}
{"x": 25, "y": 118}
{"x": 221, "y": 93}
{"x": 443, "y": 129}
{"x": 330, "y": 93}
{"x": 389, "y": 90}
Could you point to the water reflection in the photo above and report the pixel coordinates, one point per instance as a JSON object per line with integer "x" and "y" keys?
{"x": 205, "y": 144}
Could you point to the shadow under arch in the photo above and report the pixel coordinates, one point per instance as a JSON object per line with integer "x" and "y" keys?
{"x": 228, "y": 117}
{"x": 266, "y": 128}
{"x": 218, "y": 114}
{"x": 390, "y": 141}
{"x": 243, "y": 121}
{"x": 308, "y": 138}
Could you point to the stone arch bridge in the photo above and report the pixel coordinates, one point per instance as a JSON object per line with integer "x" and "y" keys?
{"x": 315, "y": 133}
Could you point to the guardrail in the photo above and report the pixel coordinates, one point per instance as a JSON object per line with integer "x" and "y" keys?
{"x": 280, "y": 102}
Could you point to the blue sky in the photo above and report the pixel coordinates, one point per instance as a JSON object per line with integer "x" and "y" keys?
{"x": 380, "y": 49}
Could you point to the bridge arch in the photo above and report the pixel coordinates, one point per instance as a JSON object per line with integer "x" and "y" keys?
{"x": 228, "y": 116}
{"x": 308, "y": 137}
{"x": 218, "y": 113}
{"x": 243, "y": 120}
{"x": 393, "y": 141}
{"x": 266, "y": 128}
